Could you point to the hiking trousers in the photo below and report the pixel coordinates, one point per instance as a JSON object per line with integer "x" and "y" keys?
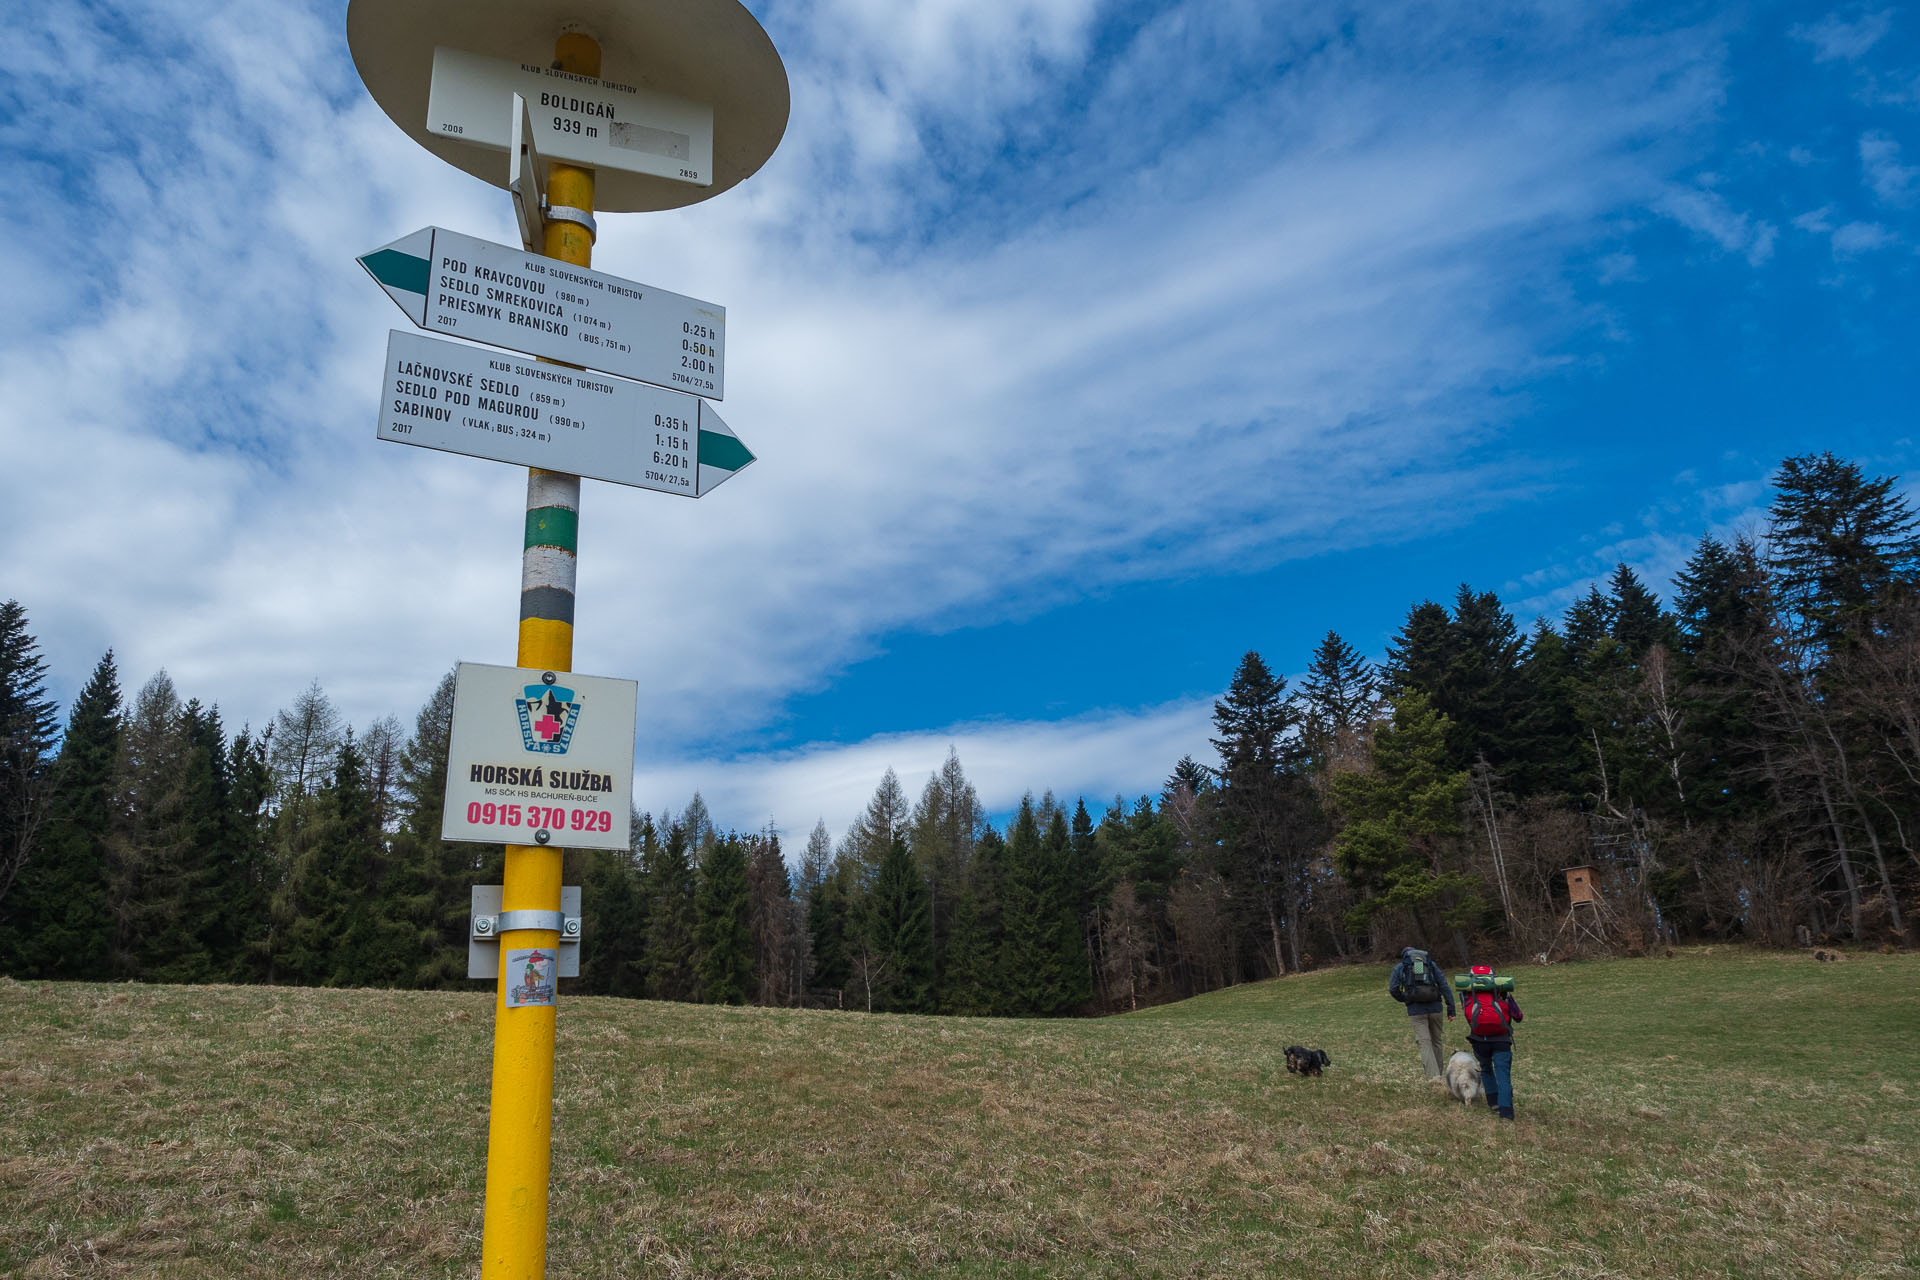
{"x": 1428, "y": 1028}
{"x": 1496, "y": 1073}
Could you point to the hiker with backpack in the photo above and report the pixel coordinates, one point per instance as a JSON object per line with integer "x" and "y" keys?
{"x": 1490, "y": 1010}
{"x": 1418, "y": 983}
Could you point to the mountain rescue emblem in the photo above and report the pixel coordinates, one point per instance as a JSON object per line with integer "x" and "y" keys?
{"x": 548, "y": 713}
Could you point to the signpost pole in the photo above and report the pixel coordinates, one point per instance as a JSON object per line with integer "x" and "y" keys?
{"x": 520, "y": 1124}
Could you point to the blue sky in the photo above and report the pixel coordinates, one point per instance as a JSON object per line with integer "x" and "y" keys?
{"x": 1085, "y": 347}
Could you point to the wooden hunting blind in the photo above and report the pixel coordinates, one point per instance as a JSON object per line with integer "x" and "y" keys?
{"x": 1580, "y": 884}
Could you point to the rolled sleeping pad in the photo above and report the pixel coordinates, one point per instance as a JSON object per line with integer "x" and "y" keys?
{"x": 1483, "y": 982}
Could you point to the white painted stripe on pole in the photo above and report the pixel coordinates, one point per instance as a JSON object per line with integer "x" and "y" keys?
{"x": 548, "y": 567}
{"x": 552, "y": 489}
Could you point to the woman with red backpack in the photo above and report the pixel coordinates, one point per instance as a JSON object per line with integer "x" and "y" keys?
{"x": 1490, "y": 1011}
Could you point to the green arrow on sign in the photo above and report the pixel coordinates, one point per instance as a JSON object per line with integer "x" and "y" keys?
{"x": 402, "y": 269}
{"x": 722, "y": 453}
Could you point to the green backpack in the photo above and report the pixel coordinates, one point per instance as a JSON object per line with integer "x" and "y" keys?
{"x": 1423, "y": 980}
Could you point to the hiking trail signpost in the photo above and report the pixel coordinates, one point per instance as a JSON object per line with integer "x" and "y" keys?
{"x": 494, "y": 404}
{"x": 575, "y": 107}
{"x": 467, "y": 288}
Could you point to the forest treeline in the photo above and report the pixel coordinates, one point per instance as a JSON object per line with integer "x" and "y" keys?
{"x": 1742, "y": 763}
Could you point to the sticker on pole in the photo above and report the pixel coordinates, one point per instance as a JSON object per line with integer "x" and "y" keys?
{"x": 530, "y": 978}
{"x": 540, "y": 757}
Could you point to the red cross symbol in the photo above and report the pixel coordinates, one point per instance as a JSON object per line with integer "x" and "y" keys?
{"x": 547, "y": 726}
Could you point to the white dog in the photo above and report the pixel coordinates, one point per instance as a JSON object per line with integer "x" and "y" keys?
{"x": 1463, "y": 1077}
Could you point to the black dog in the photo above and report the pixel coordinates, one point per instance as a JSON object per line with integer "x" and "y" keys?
{"x": 1307, "y": 1062}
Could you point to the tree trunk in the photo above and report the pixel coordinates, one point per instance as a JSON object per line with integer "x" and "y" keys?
{"x": 1846, "y": 863}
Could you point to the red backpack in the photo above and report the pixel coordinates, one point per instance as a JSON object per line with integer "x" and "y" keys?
{"x": 1486, "y": 1013}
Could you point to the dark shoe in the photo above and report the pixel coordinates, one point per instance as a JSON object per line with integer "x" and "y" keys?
{"x": 1506, "y": 1113}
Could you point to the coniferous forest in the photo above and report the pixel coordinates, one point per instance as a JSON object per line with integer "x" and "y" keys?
{"x": 1739, "y": 762}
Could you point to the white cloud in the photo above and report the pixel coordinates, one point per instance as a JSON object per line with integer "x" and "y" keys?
{"x": 1206, "y": 321}
{"x": 1709, "y": 214}
{"x": 1856, "y": 238}
{"x": 1890, "y": 181}
{"x": 1097, "y": 756}
{"x": 1818, "y": 221}
{"x": 1669, "y": 533}
{"x": 1835, "y": 38}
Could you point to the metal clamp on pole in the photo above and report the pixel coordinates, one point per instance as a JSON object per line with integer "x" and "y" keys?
{"x": 566, "y": 213}
{"x": 486, "y": 927}
{"x": 488, "y": 922}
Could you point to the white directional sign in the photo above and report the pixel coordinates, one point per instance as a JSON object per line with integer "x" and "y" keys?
{"x": 600, "y": 124}
{"x": 540, "y": 757}
{"x": 494, "y": 404}
{"x": 454, "y": 284}
{"x": 526, "y": 179}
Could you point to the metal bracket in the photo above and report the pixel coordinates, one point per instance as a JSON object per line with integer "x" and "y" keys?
{"x": 567, "y": 213}
{"x": 568, "y": 927}
{"x": 488, "y": 922}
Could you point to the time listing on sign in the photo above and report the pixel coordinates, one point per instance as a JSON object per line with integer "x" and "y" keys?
{"x": 491, "y": 293}
{"x": 493, "y": 404}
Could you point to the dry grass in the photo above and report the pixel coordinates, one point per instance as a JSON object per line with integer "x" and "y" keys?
{"x": 1719, "y": 1114}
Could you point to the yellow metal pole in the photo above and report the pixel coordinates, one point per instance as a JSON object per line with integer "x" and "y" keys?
{"x": 513, "y": 1242}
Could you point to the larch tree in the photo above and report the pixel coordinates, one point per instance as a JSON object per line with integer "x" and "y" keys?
{"x": 147, "y": 842}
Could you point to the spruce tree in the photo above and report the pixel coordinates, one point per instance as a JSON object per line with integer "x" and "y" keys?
{"x": 180, "y": 913}
{"x": 246, "y": 893}
{"x": 1479, "y": 691}
{"x": 613, "y": 951}
{"x": 1034, "y": 967}
{"x": 1339, "y": 691}
{"x": 1588, "y": 621}
{"x": 671, "y": 920}
{"x": 1398, "y": 817}
{"x": 1637, "y": 620}
{"x": 723, "y": 932}
{"x": 1189, "y": 773}
{"x": 1069, "y": 894}
{"x": 1547, "y": 758}
{"x": 896, "y": 933}
{"x": 329, "y": 936}
{"x": 1417, "y": 657}
{"x": 1263, "y": 811}
{"x": 1841, "y": 546}
{"x": 63, "y": 925}
{"x": 429, "y": 888}
{"x": 828, "y": 908}
{"x": 975, "y": 977}
{"x": 28, "y": 722}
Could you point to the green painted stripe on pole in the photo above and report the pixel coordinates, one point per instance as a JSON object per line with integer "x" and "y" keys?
{"x": 723, "y": 451}
{"x": 553, "y": 527}
{"x": 398, "y": 270}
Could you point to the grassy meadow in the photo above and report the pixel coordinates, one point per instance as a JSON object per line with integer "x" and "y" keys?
{"x": 1720, "y": 1113}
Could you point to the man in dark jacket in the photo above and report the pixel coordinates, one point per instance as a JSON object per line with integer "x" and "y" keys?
{"x": 1493, "y": 1045}
{"x": 1418, "y": 983}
